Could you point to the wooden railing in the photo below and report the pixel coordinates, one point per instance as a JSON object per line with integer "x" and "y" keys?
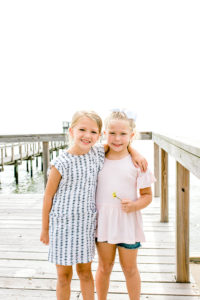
{"x": 187, "y": 156}
{"x": 20, "y": 140}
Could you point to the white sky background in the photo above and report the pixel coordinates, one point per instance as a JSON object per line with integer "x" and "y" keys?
{"x": 57, "y": 57}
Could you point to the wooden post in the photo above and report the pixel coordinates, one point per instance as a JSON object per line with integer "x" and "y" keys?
{"x": 16, "y": 173}
{"x": 27, "y": 150}
{"x": 164, "y": 186}
{"x": 27, "y": 166}
{"x": 2, "y": 161}
{"x": 20, "y": 152}
{"x": 12, "y": 153}
{"x": 156, "y": 170}
{"x": 31, "y": 163}
{"x": 36, "y": 161}
{"x": 6, "y": 151}
{"x": 45, "y": 160}
{"x": 41, "y": 163}
{"x": 182, "y": 224}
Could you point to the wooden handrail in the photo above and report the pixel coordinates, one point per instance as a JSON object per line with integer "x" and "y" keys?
{"x": 186, "y": 154}
{"x": 187, "y": 158}
{"x": 32, "y": 138}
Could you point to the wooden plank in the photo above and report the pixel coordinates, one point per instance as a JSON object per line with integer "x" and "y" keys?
{"x": 189, "y": 160}
{"x": 24, "y": 266}
{"x": 115, "y": 275}
{"x": 32, "y": 138}
{"x": 19, "y": 294}
{"x": 188, "y": 144}
{"x": 182, "y": 224}
{"x": 115, "y": 287}
{"x": 145, "y": 268}
{"x": 156, "y": 170}
{"x": 43, "y": 256}
{"x": 144, "y": 135}
{"x": 164, "y": 213}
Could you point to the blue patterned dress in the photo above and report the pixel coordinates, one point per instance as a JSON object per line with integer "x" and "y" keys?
{"x": 72, "y": 220}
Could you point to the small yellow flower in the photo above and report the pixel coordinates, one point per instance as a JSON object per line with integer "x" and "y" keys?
{"x": 115, "y": 196}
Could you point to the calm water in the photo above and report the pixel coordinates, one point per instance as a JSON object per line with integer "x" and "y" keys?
{"x": 36, "y": 185}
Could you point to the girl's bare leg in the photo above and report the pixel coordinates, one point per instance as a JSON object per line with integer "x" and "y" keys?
{"x": 86, "y": 280}
{"x": 106, "y": 258}
{"x": 128, "y": 261}
{"x": 63, "y": 282}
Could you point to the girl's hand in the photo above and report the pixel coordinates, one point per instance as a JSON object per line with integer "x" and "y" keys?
{"x": 127, "y": 205}
{"x": 44, "y": 237}
{"x": 138, "y": 160}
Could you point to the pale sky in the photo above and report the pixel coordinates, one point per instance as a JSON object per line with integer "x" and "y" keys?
{"x": 57, "y": 57}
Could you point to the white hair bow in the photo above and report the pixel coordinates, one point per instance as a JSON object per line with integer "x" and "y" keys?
{"x": 130, "y": 114}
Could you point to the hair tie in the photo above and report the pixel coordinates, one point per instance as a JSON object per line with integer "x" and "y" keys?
{"x": 130, "y": 114}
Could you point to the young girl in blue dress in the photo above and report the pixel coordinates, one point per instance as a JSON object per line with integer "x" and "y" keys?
{"x": 69, "y": 210}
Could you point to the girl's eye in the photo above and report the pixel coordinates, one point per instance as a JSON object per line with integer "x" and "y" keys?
{"x": 94, "y": 132}
{"x": 111, "y": 133}
{"x": 123, "y": 133}
{"x": 81, "y": 129}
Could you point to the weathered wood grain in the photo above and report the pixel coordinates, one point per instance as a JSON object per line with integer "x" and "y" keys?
{"x": 25, "y": 272}
{"x": 164, "y": 211}
{"x": 185, "y": 154}
{"x": 157, "y": 170}
{"x": 182, "y": 228}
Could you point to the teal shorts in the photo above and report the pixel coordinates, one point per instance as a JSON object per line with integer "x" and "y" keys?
{"x": 127, "y": 246}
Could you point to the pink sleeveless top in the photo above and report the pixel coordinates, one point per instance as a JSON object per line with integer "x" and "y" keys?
{"x": 123, "y": 178}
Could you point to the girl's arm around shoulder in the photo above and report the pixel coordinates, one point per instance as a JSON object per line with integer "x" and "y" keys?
{"x": 143, "y": 201}
{"x": 51, "y": 188}
{"x": 138, "y": 160}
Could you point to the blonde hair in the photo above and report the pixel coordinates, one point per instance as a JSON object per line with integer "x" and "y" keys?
{"x": 89, "y": 114}
{"x": 118, "y": 115}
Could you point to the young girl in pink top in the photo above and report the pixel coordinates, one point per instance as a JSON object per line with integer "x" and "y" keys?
{"x": 118, "y": 207}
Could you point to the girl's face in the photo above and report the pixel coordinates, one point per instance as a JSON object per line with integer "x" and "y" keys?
{"x": 85, "y": 134}
{"x": 118, "y": 135}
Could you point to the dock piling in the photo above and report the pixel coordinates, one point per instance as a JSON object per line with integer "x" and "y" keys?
{"x": 45, "y": 160}
{"x": 27, "y": 166}
{"x": 31, "y": 163}
{"x": 16, "y": 173}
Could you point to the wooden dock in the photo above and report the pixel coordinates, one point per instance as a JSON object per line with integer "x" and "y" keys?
{"x": 16, "y": 148}
{"x": 25, "y": 272}
{"x": 25, "y": 151}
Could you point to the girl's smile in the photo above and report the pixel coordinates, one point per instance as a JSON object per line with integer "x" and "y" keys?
{"x": 119, "y": 136}
{"x": 85, "y": 134}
